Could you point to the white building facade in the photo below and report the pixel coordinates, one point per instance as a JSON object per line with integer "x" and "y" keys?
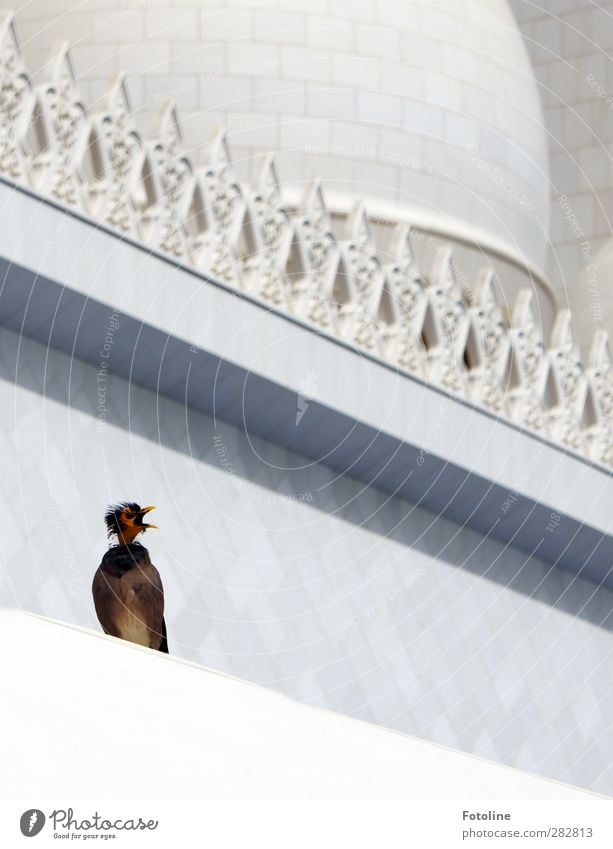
{"x": 381, "y": 463}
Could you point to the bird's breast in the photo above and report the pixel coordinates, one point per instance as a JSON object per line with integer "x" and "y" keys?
{"x": 133, "y": 627}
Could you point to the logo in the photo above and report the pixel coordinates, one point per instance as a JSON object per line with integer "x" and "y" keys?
{"x": 32, "y": 822}
{"x": 309, "y": 390}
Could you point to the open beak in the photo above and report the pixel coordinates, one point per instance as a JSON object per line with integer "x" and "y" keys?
{"x": 144, "y": 512}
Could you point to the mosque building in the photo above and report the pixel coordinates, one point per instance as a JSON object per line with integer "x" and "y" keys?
{"x": 330, "y": 284}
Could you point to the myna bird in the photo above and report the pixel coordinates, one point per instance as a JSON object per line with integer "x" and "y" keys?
{"x": 127, "y": 588}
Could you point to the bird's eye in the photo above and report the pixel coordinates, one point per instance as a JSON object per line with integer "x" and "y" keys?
{"x": 130, "y": 515}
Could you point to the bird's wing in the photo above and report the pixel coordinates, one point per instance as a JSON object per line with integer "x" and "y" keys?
{"x": 145, "y": 594}
{"x": 107, "y": 599}
{"x": 163, "y": 647}
{"x": 130, "y": 601}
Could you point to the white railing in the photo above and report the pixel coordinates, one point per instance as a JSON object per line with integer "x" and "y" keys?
{"x": 372, "y": 296}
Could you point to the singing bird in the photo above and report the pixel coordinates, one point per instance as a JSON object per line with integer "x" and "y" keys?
{"x": 127, "y": 588}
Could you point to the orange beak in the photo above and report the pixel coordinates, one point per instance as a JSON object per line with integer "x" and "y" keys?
{"x": 144, "y": 512}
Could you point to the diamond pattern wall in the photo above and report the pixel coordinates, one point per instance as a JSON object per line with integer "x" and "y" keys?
{"x": 278, "y": 572}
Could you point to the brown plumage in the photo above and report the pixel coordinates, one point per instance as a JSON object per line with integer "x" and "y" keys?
{"x": 127, "y": 588}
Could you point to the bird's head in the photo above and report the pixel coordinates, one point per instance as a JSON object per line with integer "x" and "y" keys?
{"x": 125, "y": 521}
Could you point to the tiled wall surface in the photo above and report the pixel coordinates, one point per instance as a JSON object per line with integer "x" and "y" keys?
{"x": 380, "y": 99}
{"x": 570, "y": 44}
{"x": 281, "y": 573}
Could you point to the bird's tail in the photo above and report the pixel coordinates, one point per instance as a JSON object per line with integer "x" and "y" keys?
{"x": 164, "y": 644}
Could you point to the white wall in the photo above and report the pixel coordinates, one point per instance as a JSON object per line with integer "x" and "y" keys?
{"x": 379, "y": 99}
{"x": 279, "y": 572}
{"x": 570, "y": 43}
{"x": 222, "y": 738}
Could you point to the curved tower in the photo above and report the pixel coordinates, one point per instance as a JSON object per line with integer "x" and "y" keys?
{"x": 427, "y": 114}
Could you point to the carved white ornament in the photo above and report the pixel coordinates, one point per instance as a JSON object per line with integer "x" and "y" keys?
{"x": 435, "y": 325}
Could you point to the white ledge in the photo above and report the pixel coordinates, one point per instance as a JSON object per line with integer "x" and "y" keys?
{"x": 432, "y": 221}
{"x": 443, "y": 322}
{"x": 197, "y": 734}
{"x": 215, "y": 349}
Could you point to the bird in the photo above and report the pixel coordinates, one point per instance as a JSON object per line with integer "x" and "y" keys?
{"x": 127, "y": 588}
